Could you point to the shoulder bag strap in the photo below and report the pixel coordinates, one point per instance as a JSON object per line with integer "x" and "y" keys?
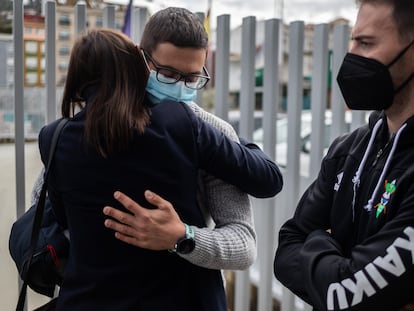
{"x": 39, "y": 213}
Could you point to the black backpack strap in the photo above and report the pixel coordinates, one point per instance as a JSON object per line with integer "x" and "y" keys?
{"x": 39, "y": 213}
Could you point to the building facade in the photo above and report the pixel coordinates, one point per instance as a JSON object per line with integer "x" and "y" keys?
{"x": 34, "y": 44}
{"x": 6, "y": 60}
{"x": 66, "y": 36}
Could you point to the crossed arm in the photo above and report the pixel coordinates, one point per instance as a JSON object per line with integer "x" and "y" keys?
{"x": 311, "y": 263}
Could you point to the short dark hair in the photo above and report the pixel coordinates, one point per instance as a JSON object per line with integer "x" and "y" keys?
{"x": 107, "y": 65}
{"x": 177, "y": 26}
{"x": 403, "y": 14}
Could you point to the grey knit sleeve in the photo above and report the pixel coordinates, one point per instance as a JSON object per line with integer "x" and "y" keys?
{"x": 37, "y": 187}
{"x": 230, "y": 242}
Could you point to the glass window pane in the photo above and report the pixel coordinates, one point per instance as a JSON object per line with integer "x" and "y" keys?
{"x": 31, "y": 62}
{"x": 31, "y": 47}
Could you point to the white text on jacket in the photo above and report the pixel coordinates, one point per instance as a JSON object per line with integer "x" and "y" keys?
{"x": 391, "y": 263}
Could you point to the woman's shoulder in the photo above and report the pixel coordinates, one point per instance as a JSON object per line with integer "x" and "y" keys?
{"x": 170, "y": 113}
{"x": 46, "y": 132}
{"x": 169, "y": 106}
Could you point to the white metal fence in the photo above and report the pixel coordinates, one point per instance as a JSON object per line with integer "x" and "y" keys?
{"x": 269, "y": 213}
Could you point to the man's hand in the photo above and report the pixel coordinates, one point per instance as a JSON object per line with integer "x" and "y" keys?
{"x": 154, "y": 229}
{"x": 409, "y": 307}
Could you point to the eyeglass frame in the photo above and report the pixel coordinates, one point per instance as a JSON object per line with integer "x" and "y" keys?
{"x": 181, "y": 76}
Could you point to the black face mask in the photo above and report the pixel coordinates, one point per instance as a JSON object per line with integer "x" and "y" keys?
{"x": 366, "y": 83}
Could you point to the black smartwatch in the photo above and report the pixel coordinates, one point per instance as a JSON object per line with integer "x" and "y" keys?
{"x": 186, "y": 244}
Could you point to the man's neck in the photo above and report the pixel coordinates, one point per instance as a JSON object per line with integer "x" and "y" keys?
{"x": 400, "y": 110}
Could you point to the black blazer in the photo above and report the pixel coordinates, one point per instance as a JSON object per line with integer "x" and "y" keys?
{"x": 106, "y": 274}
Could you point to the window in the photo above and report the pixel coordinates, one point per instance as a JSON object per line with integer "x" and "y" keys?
{"x": 63, "y": 65}
{"x": 64, "y": 20}
{"x": 64, "y": 49}
{"x": 99, "y": 22}
{"x": 64, "y": 34}
{"x": 31, "y": 78}
{"x": 43, "y": 64}
{"x": 31, "y": 63}
{"x": 31, "y": 47}
{"x": 40, "y": 31}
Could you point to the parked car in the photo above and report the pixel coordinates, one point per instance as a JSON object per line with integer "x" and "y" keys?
{"x": 234, "y": 119}
{"x": 281, "y": 145}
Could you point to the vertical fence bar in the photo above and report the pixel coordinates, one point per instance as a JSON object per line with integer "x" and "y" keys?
{"x": 319, "y": 96}
{"x": 19, "y": 104}
{"x": 80, "y": 17}
{"x": 139, "y": 19}
{"x": 247, "y": 103}
{"x": 51, "y": 107}
{"x": 358, "y": 119}
{"x": 109, "y": 17}
{"x": 199, "y": 98}
{"x": 271, "y": 87}
{"x": 340, "y": 47}
{"x": 222, "y": 66}
{"x": 19, "y": 109}
{"x": 294, "y": 109}
{"x": 247, "y": 98}
{"x": 266, "y": 243}
{"x": 135, "y": 24}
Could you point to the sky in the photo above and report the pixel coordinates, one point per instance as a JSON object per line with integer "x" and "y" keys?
{"x": 309, "y": 11}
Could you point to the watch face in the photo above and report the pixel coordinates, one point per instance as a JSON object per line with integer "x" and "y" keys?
{"x": 185, "y": 246}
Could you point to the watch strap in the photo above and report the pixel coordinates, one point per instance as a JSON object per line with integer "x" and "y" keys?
{"x": 189, "y": 234}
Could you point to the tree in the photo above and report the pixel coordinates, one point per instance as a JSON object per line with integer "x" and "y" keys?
{"x": 6, "y": 5}
{"x": 6, "y": 11}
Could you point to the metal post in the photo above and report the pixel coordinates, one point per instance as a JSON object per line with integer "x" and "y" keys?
{"x": 319, "y": 96}
{"x": 19, "y": 104}
{"x": 222, "y": 66}
{"x": 248, "y": 57}
{"x": 294, "y": 108}
{"x": 19, "y": 109}
{"x": 341, "y": 40}
{"x": 199, "y": 98}
{"x": 247, "y": 104}
{"x": 109, "y": 16}
{"x": 266, "y": 244}
{"x": 139, "y": 19}
{"x": 80, "y": 17}
{"x": 51, "y": 110}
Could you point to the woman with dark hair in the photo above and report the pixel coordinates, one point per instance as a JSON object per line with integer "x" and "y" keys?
{"x": 114, "y": 140}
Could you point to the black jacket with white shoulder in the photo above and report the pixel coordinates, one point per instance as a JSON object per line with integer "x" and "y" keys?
{"x": 363, "y": 196}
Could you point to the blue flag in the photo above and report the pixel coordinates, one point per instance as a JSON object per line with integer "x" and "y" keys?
{"x": 126, "y": 29}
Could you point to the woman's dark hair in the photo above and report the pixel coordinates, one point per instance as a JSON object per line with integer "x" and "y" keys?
{"x": 107, "y": 70}
{"x": 177, "y": 26}
{"x": 403, "y": 14}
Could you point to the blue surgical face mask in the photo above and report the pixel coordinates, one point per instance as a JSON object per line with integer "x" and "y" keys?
{"x": 159, "y": 91}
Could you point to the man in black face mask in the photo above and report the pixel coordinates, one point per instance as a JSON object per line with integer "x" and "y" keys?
{"x": 350, "y": 243}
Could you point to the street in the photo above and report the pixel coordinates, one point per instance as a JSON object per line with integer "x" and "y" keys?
{"x": 9, "y": 278}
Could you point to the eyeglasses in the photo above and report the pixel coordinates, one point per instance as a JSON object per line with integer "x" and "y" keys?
{"x": 170, "y": 76}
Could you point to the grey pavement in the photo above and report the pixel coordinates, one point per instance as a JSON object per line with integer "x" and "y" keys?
{"x": 8, "y": 272}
